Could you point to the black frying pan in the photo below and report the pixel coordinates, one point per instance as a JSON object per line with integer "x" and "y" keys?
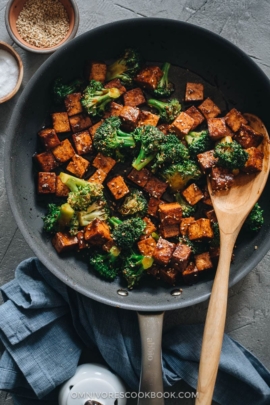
{"x": 236, "y": 78}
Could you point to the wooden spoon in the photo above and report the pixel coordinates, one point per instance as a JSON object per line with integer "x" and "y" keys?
{"x": 232, "y": 208}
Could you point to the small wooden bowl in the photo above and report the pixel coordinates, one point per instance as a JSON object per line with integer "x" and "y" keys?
{"x": 9, "y": 49}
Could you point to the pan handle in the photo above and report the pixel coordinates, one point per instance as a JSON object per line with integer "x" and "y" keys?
{"x": 151, "y": 384}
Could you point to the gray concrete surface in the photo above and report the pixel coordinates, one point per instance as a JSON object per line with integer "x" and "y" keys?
{"x": 246, "y": 23}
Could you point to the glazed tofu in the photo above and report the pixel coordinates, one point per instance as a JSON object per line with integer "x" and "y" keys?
{"x": 203, "y": 261}
{"x": 104, "y": 163}
{"x": 97, "y": 71}
{"x": 46, "y": 161}
{"x": 207, "y": 199}
{"x": 163, "y": 251}
{"x": 147, "y": 246}
{"x": 139, "y": 177}
{"x": 155, "y": 187}
{"x": 209, "y": 109}
{"x": 78, "y": 166}
{"x": 64, "y": 151}
{"x": 82, "y": 142}
{"x": 181, "y": 257}
{"x": 248, "y": 137}
{"x": 73, "y": 104}
{"x": 170, "y": 213}
{"x": 63, "y": 242}
{"x": 60, "y": 122}
{"x": 193, "y": 194}
{"x": 46, "y": 183}
{"x": 134, "y": 97}
{"x": 234, "y": 119}
{"x": 93, "y": 128}
{"x": 207, "y": 160}
{"x": 194, "y": 92}
{"x": 129, "y": 116}
{"x": 150, "y": 227}
{"x": 116, "y": 83}
{"x": 255, "y": 161}
{"x": 118, "y": 187}
{"x": 80, "y": 122}
{"x": 200, "y": 229}
{"x": 49, "y": 138}
{"x": 184, "y": 224}
{"x": 214, "y": 255}
{"x": 182, "y": 124}
{"x": 97, "y": 232}
{"x": 165, "y": 128}
{"x": 195, "y": 114}
{"x": 169, "y": 275}
{"x": 169, "y": 231}
{"x": 147, "y": 118}
{"x": 217, "y": 128}
{"x": 98, "y": 177}
{"x": 114, "y": 110}
{"x": 61, "y": 189}
{"x": 211, "y": 215}
{"x": 153, "y": 205}
{"x": 221, "y": 179}
{"x": 149, "y": 77}
{"x": 82, "y": 244}
{"x": 190, "y": 274}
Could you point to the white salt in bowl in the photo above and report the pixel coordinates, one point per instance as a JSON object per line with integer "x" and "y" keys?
{"x": 18, "y": 60}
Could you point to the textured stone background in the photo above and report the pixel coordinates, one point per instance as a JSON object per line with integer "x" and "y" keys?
{"x": 246, "y": 23}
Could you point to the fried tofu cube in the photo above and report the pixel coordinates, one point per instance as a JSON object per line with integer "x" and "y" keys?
{"x": 64, "y": 151}
{"x": 163, "y": 251}
{"x": 221, "y": 179}
{"x": 78, "y": 166}
{"x": 61, "y": 189}
{"x": 203, "y": 261}
{"x": 80, "y": 122}
{"x": 73, "y": 104}
{"x": 98, "y": 177}
{"x": 209, "y": 109}
{"x": 234, "y": 119}
{"x": 134, "y": 97}
{"x": 114, "y": 110}
{"x": 190, "y": 274}
{"x": 169, "y": 231}
{"x": 116, "y": 83}
{"x": 49, "y": 138}
{"x": 97, "y": 232}
{"x": 46, "y": 183}
{"x": 207, "y": 160}
{"x": 118, "y": 187}
{"x": 193, "y": 194}
{"x": 207, "y": 199}
{"x": 104, "y": 163}
{"x": 60, "y": 122}
{"x": 93, "y": 128}
{"x": 63, "y": 242}
{"x": 155, "y": 187}
{"x": 82, "y": 142}
{"x": 217, "y": 128}
{"x": 194, "y": 113}
{"x": 82, "y": 244}
{"x": 139, "y": 177}
{"x": 182, "y": 124}
{"x": 147, "y": 246}
{"x": 97, "y": 71}
{"x": 248, "y": 137}
{"x": 181, "y": 257}
{"x": 194, "y": 92}
{"x": 165, "y": 128}
{"x": 46, "y": 161}
{"x": 169, "y": 275}
{"x": 200, "y": 229}
{"x": 129, "y": 116}
{"x": 184, "y": 224}
{"x": 211, "y": 215}
{"x": 255, "y": 161}
{"x": 149, "y": 77}
{"x": 147, "y": 118}
{"x": 150, "y": 227}
{"x": 153, "y": 205}
{"x": 170, "y": 213}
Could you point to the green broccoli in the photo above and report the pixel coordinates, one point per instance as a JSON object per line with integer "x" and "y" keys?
{"x": 134, "y": 266}
{"x": 61, "y": 90}
{"x": 97, "y": 209}
{"x": 255, "y": 219}
{"x": 196, "y": 247}
{"x": 187, "y": 209}
{"x": 107, "y": 264}
{"x": 95, "y": 98}
{"x": 215, "y": 242}
{"x": 171, "y": 151}
{"x": 167, "y": 111}
{"x": 58, "y": 217}
{"x": 164, "y": 87}
{"x": 109, "y": 138}
{"x": 179, "y": 174}
{"x": 134, "y": 204}
{"x": 127, "y": 232}
{"x": 125, "y": 67}
{"x": 230, "y": 155}
{"x": 198, "y": 142}
{"x": 73, "y": 227}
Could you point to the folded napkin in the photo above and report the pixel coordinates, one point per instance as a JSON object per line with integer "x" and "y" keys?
{"x": 45, "y": 325}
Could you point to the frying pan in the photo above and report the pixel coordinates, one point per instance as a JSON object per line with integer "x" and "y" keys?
{"x": 237, "y": 79}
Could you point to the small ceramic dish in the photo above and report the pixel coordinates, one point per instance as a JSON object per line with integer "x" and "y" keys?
{"x": 12, "y": 93}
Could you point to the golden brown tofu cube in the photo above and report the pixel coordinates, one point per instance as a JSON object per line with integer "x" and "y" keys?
{"x": 46, "y": 161}
{"x": 170, "y": 213}
{"x": 93, "y": 128}
{"x": 78, "y": 166}
{"x": 207, "y": 199}
{"x": 217, "y": 128}
{"x": 193, "y": 194}
{"x": 147, "y": 246}
{"x": 83, "y": 142}
{"x": 73, "y": 104}
{"x": 190, "y": 274}
{"x": 149, "y": 77}
{"x": 184, "y": 224}
{"x": 209, "y": 109}
{"x": 116, "y": 84}
{"x": 155, "y": 187}
{"x": 169, "y": 275}
{"x": 49, "y": 138}
{"x": 163, "y": 251}
{"x": 64, "y": 151}
{"x": 182, "y": 124}
{"x": 234, "y": 119}
{"x": 207, "y": 160}
{"x": 63, "y": 242}
{"x": 60, "y": 122}
{"x": 211, "y": 215}
{"x": 61, "y": 189}
{"x": 255, "y": 161}
{"x": 80, "y": 122}
{"x": 194, "y": 92}
{"x": 46, "y": 183}
{"x": 147, "y": 118}
{"x": 134, "y": 97}
{"x": 169, "y": 231}
{"x": 98, "y": 71}
{"x": 150, "y": 227}
{"x": 153, "y": 205}
{"x": 97, "y": 232}
{"x": 129, "y": 116}
{"x": 165, "y": 128}
{"x": 139, "y": 177}
{"x": 118, "y": 187}
{"x": 203, "y": 261}
{"x": 98, "y": 177}
{"x": 82, "y": 244}
{"x": 114, "y": 110}
{"x": 248, "y": 137}
{"x": 194, "y": 113}
{"x": 105, "y": 163}
{"x": 200, "y": 229}
{"x": 181, "y": 257}
{"x": 221, "y": 179}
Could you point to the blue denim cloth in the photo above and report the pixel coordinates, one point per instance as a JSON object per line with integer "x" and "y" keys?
{"x": 44, "y": 325}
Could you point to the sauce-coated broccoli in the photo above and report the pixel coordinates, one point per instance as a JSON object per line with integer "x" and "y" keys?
{"x": 187, "y": 209}
{"x": 198, "y": 142}
{"x": 98, "y": 209}
{"x": 127, "y": 232}
{"x": 107, "y": 264}
{"x": 164, "y": 87}
{"x": 96, "y": 97}
{"x": 134, "y": 266}
{"x": 167, "y": 111}
{"x": 196, "y": 247}
{"x": 61, "y": 90}
{"x": 125, "y": 67}
{"x": 179, "y": 174}
{"x": 171, "y": 151}
{"x": 255, "y": 219}
{"x": 58, "y": 217}
{"x": 134, "y": 204}
{"x": 230, "y": 155}
{"x": 215, "y": 242}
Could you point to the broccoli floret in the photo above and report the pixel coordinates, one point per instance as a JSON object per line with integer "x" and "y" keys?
{"x": 74, "y": 225}
{"x": 178, "y": 175}
{"x": 107, "y": 264}
{"x": 96, "y": 97}
{"x": 98, "y": 209}
{"x": 255, "y": 219}
{"x": 58, "y": 217}
{"x": 134, "y": 266}
{"x": 230, "y": 155}
{"x": 127, "y": 232}
{"x": 109, "y": 138}
{"x": 198, "y": 142}
{"x": 215, "y": 242}
{"x": 167, "y": 111}
{"x": 164, "y": 87}
{"x": 125, "y": 67}
{"x": 61, "y": 90}
{"x": 196, "y": 247}
{"x": 150, "y": 139}
{"x": 187, "y": 209}
{"x": 171, "y": 151}
{"x": 134, "y": 204}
